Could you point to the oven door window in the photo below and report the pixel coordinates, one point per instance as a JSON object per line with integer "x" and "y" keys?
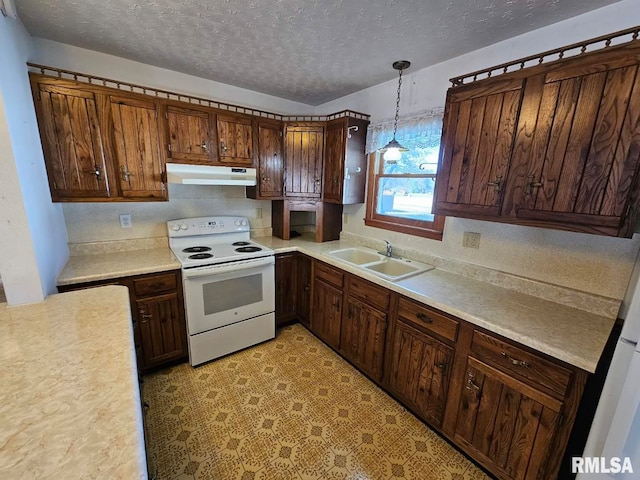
{"x": 224, "y": 295}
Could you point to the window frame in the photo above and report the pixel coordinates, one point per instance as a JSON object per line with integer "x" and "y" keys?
{"x": 420, "y": 228}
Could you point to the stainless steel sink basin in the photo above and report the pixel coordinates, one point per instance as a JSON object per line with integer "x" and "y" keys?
{"x": 392, "y": 269}
{"x": 356, "y": 256}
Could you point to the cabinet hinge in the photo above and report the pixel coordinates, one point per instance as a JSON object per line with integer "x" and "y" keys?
{"x": 169, "y": 146}
{"x": 280, "y": 134}
{"x": 166, "y": 114}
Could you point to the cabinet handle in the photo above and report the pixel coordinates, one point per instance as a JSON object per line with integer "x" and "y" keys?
{"x": 472, "y": 386}
{"x": 96, "y": 171}
{"x": 307, "y": 288}
{"x": 223, "y": 147}
{"x": 126, "y": 174}
{"x": 336, "y": 305}
{"x": 144, "y": 315}
{"x": 531, "y": 185}
{"x": 515, "y": 361}
{"x": 443, "y": 366}
{"x": 317, "y": 181}
{"x": 204, "y": 146}
{"x": 496, "y": 184}
{"x": 424, "y": 318}
{"x": 155, "y": 286}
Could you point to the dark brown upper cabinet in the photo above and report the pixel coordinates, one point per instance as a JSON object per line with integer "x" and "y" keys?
{"x": 270, "y": 182}
{"x": 556, "y": 145}
{"x": 345, "y": 163}
{"x": 72, "y": 142}
{"x": 235, "y": 139}
{"x": 191, "y": 136}
{"x": 304, "y": 144}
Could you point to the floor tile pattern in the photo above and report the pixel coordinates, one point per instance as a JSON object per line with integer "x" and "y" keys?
{"x": 287, "y": 409}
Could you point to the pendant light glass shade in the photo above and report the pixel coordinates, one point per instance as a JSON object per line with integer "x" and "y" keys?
{"x": 392, "y": 151}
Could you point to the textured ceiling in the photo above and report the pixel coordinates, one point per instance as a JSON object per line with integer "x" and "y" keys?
{"x": 311, "y": 51}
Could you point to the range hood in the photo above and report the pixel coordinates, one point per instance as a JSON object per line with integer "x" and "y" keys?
{"x": 210, "y": 175}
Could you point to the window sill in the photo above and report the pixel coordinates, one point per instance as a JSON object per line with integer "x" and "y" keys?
{"x": 432, "y": 234}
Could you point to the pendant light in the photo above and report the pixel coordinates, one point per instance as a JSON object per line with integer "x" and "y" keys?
{"x": 392, "y": 151}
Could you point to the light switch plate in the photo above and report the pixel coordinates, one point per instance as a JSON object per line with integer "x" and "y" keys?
{"x": 125, "y": 220}
{"x": 471, "y": 240}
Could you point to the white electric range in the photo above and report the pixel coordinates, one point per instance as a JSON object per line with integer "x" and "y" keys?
{"x": 229, "y": 285}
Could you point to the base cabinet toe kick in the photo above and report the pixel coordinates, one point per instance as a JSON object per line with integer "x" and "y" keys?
{"x": 508, "y": 407}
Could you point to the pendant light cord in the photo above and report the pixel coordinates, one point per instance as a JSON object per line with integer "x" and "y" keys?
{"x": 395, "y": 124}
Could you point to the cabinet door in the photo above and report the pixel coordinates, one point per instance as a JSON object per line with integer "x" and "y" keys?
{"x": 304, "y": 290}
{"x": 420, "y": 371}
{"x": 190, "y": 136}
{"x": 286, "y": 287}
{"x": 270, "y": 163}
{"x": 363, "y": 335}
{"x": 577, "y": 150}
{"x": 235, "y": 140}
{"x": 303, "y": 161}
{"x": 162, "y": 329}
{"x": 136, "y": 145}
{"x": 327, "y": 313}
{"x": 334, "y": 158}
{"x": 507, "y": 425}
{"x": 476, "y": 148}
{"x": 72, "y": 142}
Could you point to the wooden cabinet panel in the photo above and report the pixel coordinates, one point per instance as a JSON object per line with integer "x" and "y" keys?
{"x": 155, "y": 284}
{"x": 556, "y": 145}
{"x": 304, "y": 146}
{"x": 362, "y": 337}
{"x": 136, "y": 145}
{"x": 286, "y": 287}
{"x": 72, "y": 142}
{"x": 326, "y": 316}
{"x": 476, "y": 149}
{"x": 425, "y": 318}
{"x": 420, "y": 372}
{"x": 505, "y": 423}
{"x": 334, "y": 154}
{"x": 304, "y": 290}
{"x": 235, "y": 140}
{"x": 369, "y": 293}
{"x": 162, "y": 329}
{"x": 270, "y": 161}
{"x": 328, "y": 274}
{"x": 191, "y": 138}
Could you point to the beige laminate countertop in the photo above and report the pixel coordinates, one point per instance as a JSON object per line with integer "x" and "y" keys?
{"x": 90, "y": 268}
{"x": 69, "y": 402}
{"x": 568, "y": 334}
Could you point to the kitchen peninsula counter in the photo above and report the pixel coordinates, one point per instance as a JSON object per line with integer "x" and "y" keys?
{"x": 70, "y": 403}
{"x": 566, "y": 333}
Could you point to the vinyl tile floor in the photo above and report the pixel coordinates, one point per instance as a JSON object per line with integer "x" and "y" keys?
{"x": 287, "y": 409}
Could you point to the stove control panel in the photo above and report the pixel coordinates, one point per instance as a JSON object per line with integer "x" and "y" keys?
{"x": 207, "y": 226}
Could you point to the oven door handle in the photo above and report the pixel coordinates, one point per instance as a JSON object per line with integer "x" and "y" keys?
{"x": 228, "y": 267}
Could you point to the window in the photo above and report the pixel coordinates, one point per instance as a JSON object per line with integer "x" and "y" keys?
{"x": 400, "y": 193}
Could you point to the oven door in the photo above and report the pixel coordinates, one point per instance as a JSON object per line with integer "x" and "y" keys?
{"x": 220, "y": 295}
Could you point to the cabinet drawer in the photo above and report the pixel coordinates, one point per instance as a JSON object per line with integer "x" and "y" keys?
{"x": 329, "y": 274}
{"x": 528, "y": 366}
{"x": 154, "y": 284}
{"x": 428, "y": 319}
{"x": 368, "y": 293}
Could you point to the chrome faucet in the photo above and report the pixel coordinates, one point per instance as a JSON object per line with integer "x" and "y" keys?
{"x": 389, "y": 251}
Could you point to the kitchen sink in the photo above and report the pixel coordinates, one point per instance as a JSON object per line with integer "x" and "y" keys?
{"x": 396, "y": 269}
{"x": 357, "y": 256}
{"x": 392, "y": 269}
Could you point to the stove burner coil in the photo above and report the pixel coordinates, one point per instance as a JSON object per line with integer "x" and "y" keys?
{"x": 248, "y": 249}
{"x": 196, "y": 250}
{"x": 200, "y": 256}
{"x": 240, "y": 244}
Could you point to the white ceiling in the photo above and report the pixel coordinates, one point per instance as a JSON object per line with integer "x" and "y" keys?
{"x": 311, "y": 51}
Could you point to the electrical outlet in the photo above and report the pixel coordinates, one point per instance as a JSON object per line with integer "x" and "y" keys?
{"x": 258, "y": 213}
{"x": 125, "y": 220}
{"x": 471, "y": 240}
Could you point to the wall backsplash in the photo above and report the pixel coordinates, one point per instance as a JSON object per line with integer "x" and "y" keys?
{"x": 99, "y": 222}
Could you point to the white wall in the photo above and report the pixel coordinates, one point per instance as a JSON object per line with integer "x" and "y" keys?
{"x": 68, "y": 57}
{"x": 599, "y": 265}
{"x": 33, "y": 244}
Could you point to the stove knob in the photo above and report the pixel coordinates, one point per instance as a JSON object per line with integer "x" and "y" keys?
{"x": 220, "y": 224}
{"x": 244, "y": 223}
{"x": 175, "y": 227}
{"x": 184, "y": 226}
{"x": 237, "y": 223}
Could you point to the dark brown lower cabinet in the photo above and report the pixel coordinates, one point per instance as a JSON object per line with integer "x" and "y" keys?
{"x": 286, "y": 287}
{"x": 157, "y": 311}
{"x": 303, "y": 300}
{"x": 420, "y": 372}
{"x": 326, "y": 317}
{"x": 362, "y": 336}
